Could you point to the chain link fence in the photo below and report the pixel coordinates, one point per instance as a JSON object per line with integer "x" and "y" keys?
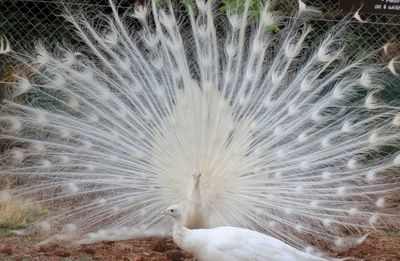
{"x": 26, "y": 21}
{"x": 373, "y": 32}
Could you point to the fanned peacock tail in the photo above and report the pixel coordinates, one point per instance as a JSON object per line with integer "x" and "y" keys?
{"x": 289, "y": 132}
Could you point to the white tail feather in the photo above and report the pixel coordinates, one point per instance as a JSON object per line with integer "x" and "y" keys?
{"x": 283, "y": 144}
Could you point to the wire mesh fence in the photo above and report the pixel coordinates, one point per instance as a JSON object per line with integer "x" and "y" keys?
{"x": 375, "y": 29}
{"x": 26, "y": 21}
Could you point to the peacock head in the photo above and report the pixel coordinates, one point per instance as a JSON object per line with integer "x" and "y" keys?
{"x": 173, "y": 211}
{"x": 196, "y": 178}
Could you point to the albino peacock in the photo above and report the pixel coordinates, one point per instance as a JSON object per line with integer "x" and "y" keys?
{"x": 232, "y": 243}
{"x": 289, "y": 134}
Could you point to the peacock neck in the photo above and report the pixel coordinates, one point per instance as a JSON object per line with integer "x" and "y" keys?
{"x": 180, "y": 234}
{"x": 194, "y": 215}
{"x": 196, "y": 196}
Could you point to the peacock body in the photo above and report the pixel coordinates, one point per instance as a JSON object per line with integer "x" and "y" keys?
{"x": 289, "y": 133}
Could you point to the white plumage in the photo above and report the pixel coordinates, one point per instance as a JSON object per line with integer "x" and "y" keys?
{"x": 232, "y": 243}
{"x": 291, "y": 135}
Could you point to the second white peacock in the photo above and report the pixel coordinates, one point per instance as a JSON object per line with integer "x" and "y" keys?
{"x": 292, "y": 136}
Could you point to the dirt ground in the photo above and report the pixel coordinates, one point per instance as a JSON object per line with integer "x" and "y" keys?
{"x": 378, "y": 247}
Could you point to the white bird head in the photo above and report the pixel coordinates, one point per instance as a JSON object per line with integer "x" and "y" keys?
{"x": 196, "y": 177}
{"x": 173, "y": 211}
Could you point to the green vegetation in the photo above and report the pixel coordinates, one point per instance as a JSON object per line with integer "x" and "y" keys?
{"x": 237, "y": 6}
{"x": 255, "y": 9}
{"x": 394, "y": 234}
